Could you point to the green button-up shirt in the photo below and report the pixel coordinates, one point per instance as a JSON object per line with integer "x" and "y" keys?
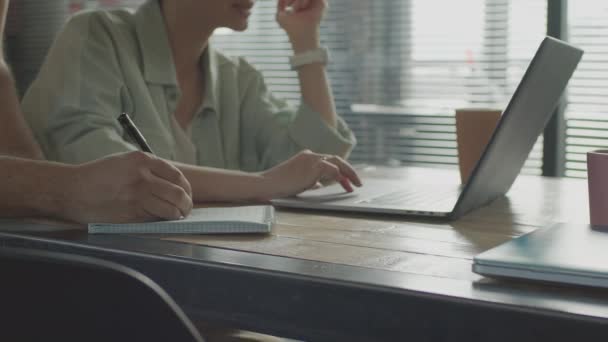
{"x": 107, "y": 62}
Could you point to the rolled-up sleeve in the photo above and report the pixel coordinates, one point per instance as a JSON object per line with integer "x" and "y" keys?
{"x": 308, "y": 129}
{"x": 73, "y": 104}
{"x": 280, "y": 130}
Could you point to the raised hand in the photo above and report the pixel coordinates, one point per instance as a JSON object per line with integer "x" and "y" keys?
{"x": 301, "y": 18}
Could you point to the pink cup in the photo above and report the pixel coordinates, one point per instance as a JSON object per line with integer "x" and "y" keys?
{"x": 597, "y": 172}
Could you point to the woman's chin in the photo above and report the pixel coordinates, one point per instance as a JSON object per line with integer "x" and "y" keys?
{"x": 239, "y": 27}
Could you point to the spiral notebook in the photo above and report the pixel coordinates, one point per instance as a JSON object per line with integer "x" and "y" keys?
{"x": 218, "y": 220}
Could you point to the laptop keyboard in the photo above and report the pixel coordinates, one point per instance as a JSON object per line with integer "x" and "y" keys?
{"x": 422, "y": 197}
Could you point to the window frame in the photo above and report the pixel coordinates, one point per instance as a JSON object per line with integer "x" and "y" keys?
{"x": 554, "y": 147}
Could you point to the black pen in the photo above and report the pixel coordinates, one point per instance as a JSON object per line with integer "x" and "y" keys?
{"x": 133, "y": 132}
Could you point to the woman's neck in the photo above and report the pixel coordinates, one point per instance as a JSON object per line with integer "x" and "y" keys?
{"x": 187, "y": 36}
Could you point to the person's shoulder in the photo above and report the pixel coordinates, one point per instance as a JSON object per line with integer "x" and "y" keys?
{"x": 91, "y": 22}
{"x": 121, "y": 16}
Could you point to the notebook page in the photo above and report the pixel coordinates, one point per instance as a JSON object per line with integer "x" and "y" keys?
{"x": 239, "y": 214}
{"x": 218, "y": 220}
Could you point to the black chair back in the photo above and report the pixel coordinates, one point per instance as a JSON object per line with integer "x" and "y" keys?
{"x": 47, "y": 296}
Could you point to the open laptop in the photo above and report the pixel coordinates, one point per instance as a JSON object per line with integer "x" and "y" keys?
{"x": 525, "y": 117}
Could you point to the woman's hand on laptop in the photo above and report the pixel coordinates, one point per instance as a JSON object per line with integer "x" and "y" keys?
{"x": 308, "y": 170}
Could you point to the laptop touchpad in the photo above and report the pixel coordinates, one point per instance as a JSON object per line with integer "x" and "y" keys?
{"x": 328, "y": 193}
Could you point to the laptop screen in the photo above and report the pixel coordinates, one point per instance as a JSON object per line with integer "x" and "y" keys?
{"x": 522, "y": 122}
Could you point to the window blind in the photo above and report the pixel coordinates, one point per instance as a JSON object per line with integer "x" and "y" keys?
{"x": 400, "y": 67}
{"x": 587, "y": 108}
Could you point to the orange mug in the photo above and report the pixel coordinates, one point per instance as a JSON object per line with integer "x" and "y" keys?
{"x": 474, "y": 127}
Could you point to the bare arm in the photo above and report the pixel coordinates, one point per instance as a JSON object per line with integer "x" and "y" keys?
{"x": 314, "y": 84}
{"x": 16, "y": 137}
{"x": 302, "y": 27}
{"x": 302, "y": 172}
{"x": 216, "y": 185}
{"x": 25, "y": 189}
{"x": 139, "y": 187}
{"x": 127, "y": 187}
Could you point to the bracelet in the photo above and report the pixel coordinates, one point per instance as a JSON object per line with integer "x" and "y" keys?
{"x": 318, "y": 55}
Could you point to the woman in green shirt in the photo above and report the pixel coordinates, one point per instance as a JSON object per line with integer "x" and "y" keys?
{"x": 196, "y": 106}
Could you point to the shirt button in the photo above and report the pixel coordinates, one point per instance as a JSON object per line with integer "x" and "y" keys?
{"x": 172, "y": 95}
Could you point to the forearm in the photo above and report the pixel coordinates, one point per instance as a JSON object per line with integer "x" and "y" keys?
{"x": 217, "y": 185}
{"x": 16, "y": 138}
{"x": 34, "y": 188}
{"x": 314, "y": 82}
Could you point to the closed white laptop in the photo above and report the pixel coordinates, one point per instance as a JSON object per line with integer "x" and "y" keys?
{"x": 564, "y": 253}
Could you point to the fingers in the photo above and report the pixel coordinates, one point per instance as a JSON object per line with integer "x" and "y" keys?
{"x": 299, "y": 5}
{"x": 173, "y": 194}
{"x": 159, "y": 208}
{"x": 316, "y": 5}
{"x": 171, "y": 174}
{"x": 331, "y": 172}
{"x": 168, "y": 184}
{"x": 293, "y": 6}
{"x": 345, "y": 169}
{"x": 287, "y": 6}
{"x": 332, "y": 168}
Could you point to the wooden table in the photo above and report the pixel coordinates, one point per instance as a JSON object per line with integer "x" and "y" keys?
{"x": 337, "y": 276}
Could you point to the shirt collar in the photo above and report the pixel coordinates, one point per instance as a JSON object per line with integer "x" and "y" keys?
{"x": 158, "y": 63}
{"x": 154, "y": 44}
